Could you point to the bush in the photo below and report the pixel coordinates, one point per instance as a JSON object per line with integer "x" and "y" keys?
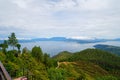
{"x": 106, "y": 78}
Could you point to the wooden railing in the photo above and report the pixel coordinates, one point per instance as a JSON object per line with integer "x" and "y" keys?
{"x": 3, "y": 73}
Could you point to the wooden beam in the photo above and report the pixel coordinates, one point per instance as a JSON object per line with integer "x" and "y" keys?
{"x": 5, "y": 73}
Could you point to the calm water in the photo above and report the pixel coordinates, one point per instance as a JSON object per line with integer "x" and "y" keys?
{"x": 54, "y": 47}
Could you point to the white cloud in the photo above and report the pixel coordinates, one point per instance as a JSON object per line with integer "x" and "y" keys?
{"x": 81, "y": 38}
{"x": 93, "y": 4}
{"x": 44, "y": 18}
{"x": 21, "y": 3}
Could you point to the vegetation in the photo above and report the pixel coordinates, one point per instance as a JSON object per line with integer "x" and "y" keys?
{"x": 12, "y": 41}
{"x": 62, "y": 56}
{"x": 4, "y": 46}
{"x": 89, "y": 64}
{"x": 109, "y": 48}
{"x": 107, "y": 61}
{"x": 37, "y": 54}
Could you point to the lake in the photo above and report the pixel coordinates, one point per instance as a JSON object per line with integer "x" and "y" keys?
{"x": 54, "y": 47}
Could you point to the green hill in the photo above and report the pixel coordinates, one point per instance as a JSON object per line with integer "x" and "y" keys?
{"x": 87, "y": 59}
{"x": 62, "y": 56}
{"x": 82, "y": 70}
{"x": 95, "y": 54}
{"x": 109, "y": 48}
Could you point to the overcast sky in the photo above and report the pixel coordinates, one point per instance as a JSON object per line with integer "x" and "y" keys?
{"x": 67, "y": 18}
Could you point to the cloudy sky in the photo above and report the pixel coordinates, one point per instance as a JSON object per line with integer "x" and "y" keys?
{"x": 67, "y": 18}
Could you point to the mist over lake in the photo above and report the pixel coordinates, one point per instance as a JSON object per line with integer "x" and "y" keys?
{"x": 54, "y": 47}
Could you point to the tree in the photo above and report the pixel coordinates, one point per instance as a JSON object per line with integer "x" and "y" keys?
{"x": 25, "y": 50}
{"x": 37, "y": 53}
{"x": 4, "y": 46}
{"x": 46, "y": 59}
{"x": 0, "y": 46}
{"x": 18, "y": 47}
{"x": 12, "y": 40}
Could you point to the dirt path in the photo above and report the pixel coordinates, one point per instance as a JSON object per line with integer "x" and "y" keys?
{"x": 65, "y": 63}
{"x": 21, "y": 78}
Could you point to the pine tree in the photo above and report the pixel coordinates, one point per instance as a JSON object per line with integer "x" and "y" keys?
{"x": 12, "y": 40}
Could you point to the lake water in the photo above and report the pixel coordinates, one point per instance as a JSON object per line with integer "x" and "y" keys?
{"x": 54, "y": 47}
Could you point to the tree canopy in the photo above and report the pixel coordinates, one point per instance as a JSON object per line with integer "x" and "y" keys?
{"x": 37, "y": 53}
{"x": 12, "y": 40}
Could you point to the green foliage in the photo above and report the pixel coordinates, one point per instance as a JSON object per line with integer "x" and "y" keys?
{"x": 33, "y": 64}
{"x": 109, "y": 48}
{"x": 0, "y": 47}
{"x": 81, "y": 67}
{"x": 89, "y": 64}
{"x": 12, "y": 40}
{"x": 25, "y": 50}
{"x": 109, "y": 62}
{"x": 47, "y": 60}
{"x": 24, "y": 65}
{"x": 106, "y": 60}
{"x": 4, "y": 46}
{"x": 37, "y": 53}
{"x": 18, "y": 47}
{"x": 12, "y": 68}
{"x": 106, "y": 78}
{"x": 81, "y": 70}
{"x": 31, "y": 67}
{"x": 57, "y": 74}
{"x": 10, "y": 55}
{"x": 62, "y": 56}
{"x": 2, "y": 56}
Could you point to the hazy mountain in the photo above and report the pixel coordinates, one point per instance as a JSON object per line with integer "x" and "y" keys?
{"x": 66, "y": 40}
{"x": 69, "y": 40}
{"x": 109, "y": 48}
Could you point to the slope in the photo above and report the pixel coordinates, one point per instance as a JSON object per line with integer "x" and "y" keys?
{"x": 109, "y": 48}
{"x": 107, "y": 61}
{"x": 82, "y": 70}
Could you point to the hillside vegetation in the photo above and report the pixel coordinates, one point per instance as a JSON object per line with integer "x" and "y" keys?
{"x": 107, "y": 61}
{"x": 62, "y": 56}
{"x": 109, "y": 48}
{"x": 89, "y": 64}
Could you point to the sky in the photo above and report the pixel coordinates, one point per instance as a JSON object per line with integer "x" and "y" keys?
{"x": 64, "y": 18}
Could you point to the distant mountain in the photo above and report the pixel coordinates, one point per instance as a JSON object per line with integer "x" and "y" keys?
{"x": 109, "y": 48}
{"x": 66, "y": 40}
{"x": 118, "y": 39}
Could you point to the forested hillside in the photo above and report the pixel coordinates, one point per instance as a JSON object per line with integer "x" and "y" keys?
{"x": 109, "y": 48}
{"x": 89, "y": 64}
{"x": 107, "y": 61}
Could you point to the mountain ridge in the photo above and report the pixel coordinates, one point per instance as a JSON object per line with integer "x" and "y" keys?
{"x": 94, "y": 40}
{"x": 109, "y": 48}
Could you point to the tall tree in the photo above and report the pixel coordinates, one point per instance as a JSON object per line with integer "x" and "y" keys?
{"x": 25, "y": 50}
{"x": 46, "y": 59}
{"x": 18, "y": 47}
{"x": 37, "y": 53}
{"x": 4, "y": 46}
{"x": 0, "y": 46}
{"x": 12, "y": 40}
